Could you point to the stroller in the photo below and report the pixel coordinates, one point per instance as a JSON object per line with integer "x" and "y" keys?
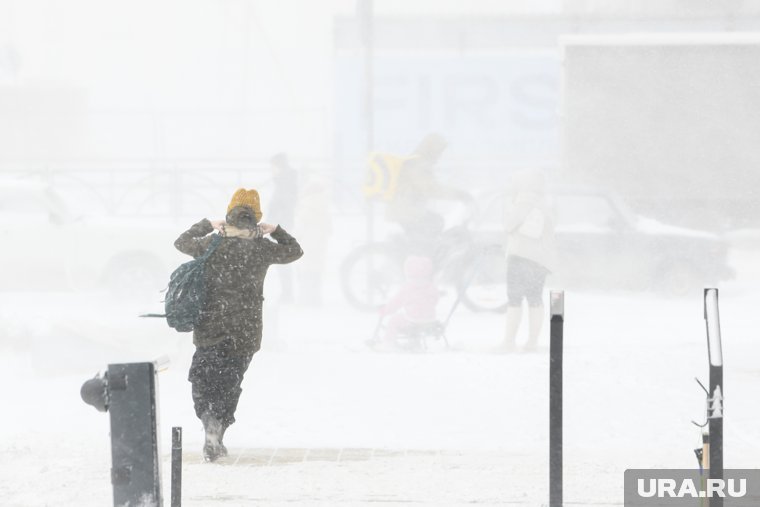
{"x": 414, "y": 337}
{"x": 415, "y": 334}
{"x": 411, "y": 335}
{"x": 411, "y": 310}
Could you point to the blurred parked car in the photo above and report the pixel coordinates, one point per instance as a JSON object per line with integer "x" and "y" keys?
{"x": 603, "y": 244}
{"x": 44, "y": 247}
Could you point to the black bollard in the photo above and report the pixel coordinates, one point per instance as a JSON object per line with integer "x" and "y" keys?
{"x": 176, "y": 466}
{"x": 555, "y": 397}
{"x": 128, "y": 392}
{"x": 715, "y": 399}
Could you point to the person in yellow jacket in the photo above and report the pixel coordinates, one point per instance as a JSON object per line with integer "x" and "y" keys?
{"x": 417, "y": 186}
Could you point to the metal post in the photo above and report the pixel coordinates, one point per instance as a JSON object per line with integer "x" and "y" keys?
{"x": 176, "y": 466}
{"x": 365, "y": 11}
{"x": 715, "y": 400}
{"x": 555, "y": 398}
{"x": 365, "y": 14}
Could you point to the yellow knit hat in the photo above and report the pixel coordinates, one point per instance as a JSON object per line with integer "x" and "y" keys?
{"x": 248, "y": 198}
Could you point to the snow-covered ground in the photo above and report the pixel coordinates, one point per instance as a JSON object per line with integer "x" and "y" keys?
{"x": 324, "y": 422}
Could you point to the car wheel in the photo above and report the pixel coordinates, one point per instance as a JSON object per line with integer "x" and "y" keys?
{"x": 134, "y": 274}
{"x": 677, "y": 280}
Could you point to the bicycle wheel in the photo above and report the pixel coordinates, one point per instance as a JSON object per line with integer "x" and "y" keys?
{"x": 369, "y": 275}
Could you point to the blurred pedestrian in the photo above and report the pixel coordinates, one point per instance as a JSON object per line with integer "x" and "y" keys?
{"x": 229, "y": 331}
{"x": 530, "y": 256}
{"x": 283, "y": 206}
{"x": 285, "y": 193}
{"x": 314, "y": 226}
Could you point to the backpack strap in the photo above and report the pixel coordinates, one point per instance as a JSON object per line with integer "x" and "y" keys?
{"x": 215, "y": 240}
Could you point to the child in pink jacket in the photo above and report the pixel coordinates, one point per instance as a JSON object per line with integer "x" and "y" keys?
{"x": 416, "y": 300}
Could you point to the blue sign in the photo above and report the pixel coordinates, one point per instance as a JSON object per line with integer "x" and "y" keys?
{"x": 493, "y": 108}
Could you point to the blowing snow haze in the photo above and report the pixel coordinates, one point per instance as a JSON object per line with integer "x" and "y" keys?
{"x": 443, "y": 166}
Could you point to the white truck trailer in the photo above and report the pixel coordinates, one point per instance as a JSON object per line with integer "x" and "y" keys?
{"x": 670, "y": 122}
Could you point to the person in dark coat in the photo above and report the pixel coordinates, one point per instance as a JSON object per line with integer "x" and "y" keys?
{"x": 285, "y": 192}
{"x": 229, "y": 331}
{"x": 283, "y": 206}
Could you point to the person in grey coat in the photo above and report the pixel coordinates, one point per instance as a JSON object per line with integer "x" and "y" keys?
{"x": 531, "y": 255}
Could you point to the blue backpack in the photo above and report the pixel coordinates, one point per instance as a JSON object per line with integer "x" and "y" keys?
{"x": 187, "y": 291}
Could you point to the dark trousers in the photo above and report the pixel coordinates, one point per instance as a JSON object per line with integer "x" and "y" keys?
{"x": 216, "y": 374}
{"x": 525, "y": 280}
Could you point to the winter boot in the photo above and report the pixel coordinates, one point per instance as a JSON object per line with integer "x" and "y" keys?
{"x": 535, "y": 323}
{"x": 514, "y": 315}
{"x": 222, "y": 448}
{"x": 212, "y": 448}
